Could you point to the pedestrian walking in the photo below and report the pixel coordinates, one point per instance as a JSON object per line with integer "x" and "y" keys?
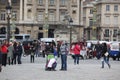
{"x": 37, "y": 47}
{"x": 64, "y": 52}
{"x": 98, "y": 49}
{"x": 76, "y": 51}
{"x": 14, "y": 52}
{"x": 105, "y": 55}
{"x": 0, "y": 59}
{"x": 4, "y": 51}
{"x": 42, "y": 48}
{"x": 32, "y": 54}
{"x": 10, "y": 53}
{"x": 19, "y": 51}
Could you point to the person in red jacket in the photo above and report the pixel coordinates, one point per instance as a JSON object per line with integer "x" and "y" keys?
{"x": 4, "y": 51}
{"x": 77, "y": 53}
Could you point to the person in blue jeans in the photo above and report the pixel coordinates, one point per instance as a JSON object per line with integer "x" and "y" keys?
{"x": 105, "y": 55}
{"x": 64, "y": 52}
{"x": 77, "y": 53}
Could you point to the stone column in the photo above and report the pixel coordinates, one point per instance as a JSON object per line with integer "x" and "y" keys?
{"x": 57, "y": 10}
{"x": 21, "y": 10}
{"x": 81, "y": 15}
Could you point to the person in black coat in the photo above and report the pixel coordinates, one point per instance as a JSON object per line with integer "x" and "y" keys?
{"x": 105, "y": 55}
{"x": 19, "y": 51}
{"x": 32, "y": 53}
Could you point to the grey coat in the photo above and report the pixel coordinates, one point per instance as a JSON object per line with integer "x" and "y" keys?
{"x": 10, "y": 51}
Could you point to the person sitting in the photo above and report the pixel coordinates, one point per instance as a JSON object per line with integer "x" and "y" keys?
{"x": 51, "y": 63}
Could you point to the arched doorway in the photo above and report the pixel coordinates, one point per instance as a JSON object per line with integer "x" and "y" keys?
{"x": 17, "y": 31}
{"x": 40, "y": 35}
{"x": 3, "y": 30}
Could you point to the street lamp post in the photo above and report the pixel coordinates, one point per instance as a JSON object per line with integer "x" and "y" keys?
{"x": 69, "y": 19}
{"x": 8, "y": 8}
{"x": 13, "y": 26}
{"x": 94, "y": 33}
{"x": 46, "y": 26}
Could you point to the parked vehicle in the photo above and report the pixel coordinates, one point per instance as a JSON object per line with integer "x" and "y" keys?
{"x": 47, "y": 40}
{"x": 114, "y": 51}
{"x": 17, "y": 37}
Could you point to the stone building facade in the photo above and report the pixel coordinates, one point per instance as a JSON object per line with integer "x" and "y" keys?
{"x": 101, "y": 20}
{"x": 44, "y": 18}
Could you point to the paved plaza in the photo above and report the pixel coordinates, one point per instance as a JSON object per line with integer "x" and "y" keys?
{"x": 86, "y": 70}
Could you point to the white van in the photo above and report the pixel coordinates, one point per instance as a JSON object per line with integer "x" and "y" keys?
{"x": 17, "y": 37}
{"x": 3, "y": 36}
{"x": 22, "y": 37}
{"x": 47, "y": 39}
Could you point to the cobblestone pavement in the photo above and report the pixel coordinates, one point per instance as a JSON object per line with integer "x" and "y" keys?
{"x": 86, "y": 70}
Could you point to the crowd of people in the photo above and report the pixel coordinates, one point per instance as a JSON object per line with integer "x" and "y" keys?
{"x": 99, "y": 51}
{"x": 11, "y": 53}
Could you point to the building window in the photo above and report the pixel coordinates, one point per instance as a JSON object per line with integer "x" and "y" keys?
{"x": 40, "y": 28}
{"x": 40, "y": 16}
{"x": 115, "y": 33}
{"x": 107, "y": 7}
{"x": 51, "y": 16}
{"x": 29, "y": 0}
{"x": 3, "y": 15}
{"x": 115, "y": 7}
{"x": 90, "y": 22}
{"x": 14, "y": 1}
{"x": 28, "y": 31}
{"x": 62, "y": 14}
{"x": 2, "y": 1}
{"x": 91, "y": 11}
{"x": 52, "y": 2}
{"x": 29, "y": 14}
{"x": 107, "y": 20}
{"x": 114, "y": 40}
{"x": 106, "y": 33}
{"x": 14, "y": 15}
{"x": 74, "y": 1}
{"x": 74, "y": 12}
{"x": 63, "y": 2}
{"x": 40, "y": 2}
{"x": 115, "y": 20}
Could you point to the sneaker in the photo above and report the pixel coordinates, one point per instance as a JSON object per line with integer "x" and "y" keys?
{"x": 109, "y": 66}
{"x": 0, "y": 68}
{"x": 102, "y": 67}
{"x": 53, "y": 70}
{"x": 61, "y": 69}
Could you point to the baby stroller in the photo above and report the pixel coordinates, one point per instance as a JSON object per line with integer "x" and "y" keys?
{"x": 50, "y": 63}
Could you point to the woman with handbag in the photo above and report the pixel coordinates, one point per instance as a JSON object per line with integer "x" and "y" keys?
{"x": 105, "y": 55}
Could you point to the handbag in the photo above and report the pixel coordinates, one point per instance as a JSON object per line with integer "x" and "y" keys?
{"x": 106, "y": 54}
